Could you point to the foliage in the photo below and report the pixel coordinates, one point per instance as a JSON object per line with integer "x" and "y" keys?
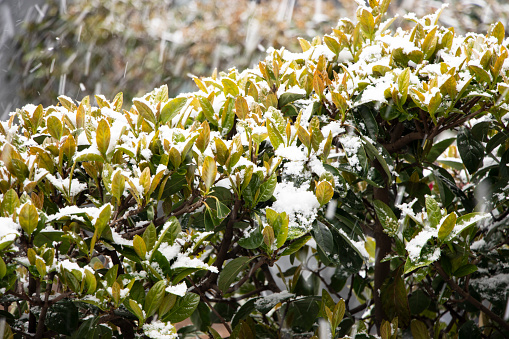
{"x": 360, "y": 186}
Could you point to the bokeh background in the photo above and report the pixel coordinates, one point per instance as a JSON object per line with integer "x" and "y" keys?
{"x": 85, "y": 47}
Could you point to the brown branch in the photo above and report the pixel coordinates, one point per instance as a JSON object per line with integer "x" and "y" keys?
{"x": 452, "y": 284}
{"x": 44, "y": 310}
{"x": 403, "y": 141}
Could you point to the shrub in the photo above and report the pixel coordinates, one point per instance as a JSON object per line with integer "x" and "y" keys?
{"x": 363, "y": 182}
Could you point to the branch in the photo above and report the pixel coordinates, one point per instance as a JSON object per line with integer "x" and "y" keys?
{"x": 403, "y": 141}
{"x": 44, "y": 310}
{"x": 469, "y": 298}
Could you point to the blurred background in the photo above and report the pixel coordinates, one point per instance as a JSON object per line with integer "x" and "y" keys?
{"x": 85, "y": 47}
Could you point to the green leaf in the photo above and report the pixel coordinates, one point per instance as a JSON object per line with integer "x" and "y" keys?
{"x": 433, "y": 211}
{"x": 480, "y": 74}
{"x": 324, "y": 239}
{"x": 296, "y": 245}
{"x": 289, "y": 97}
{"x": 324, "y": 192}
{"x": 40, "y": 266}
{"x": 267, "y": 188}
{"x": 222, "y": 210}
{"x": 274, "y": 136}
{"x": 469, "y": 330}
{"x": 418, "y": 302}
{"x": 154, "y": 298}
{"x": 438, "y": 148}
{"x": 265, "y": 304}
{"x": 332, "y": 44}
{"x": 167, "y": 304}
{"x": 244, "y": 311}
{"x": 394, "y": 300}
{"x": 137, "y": 311}
{"x": 230, "y": 87}
{"x": 172, "y": 108}
{"x": 447, "y": 226}
{"x": 3, "y": 269}
{"x": 145, "y": 111}
{"x": 386, "y": 217}
{"x": 117, "y": 186}
{"x": 465, "y": 270}
{"x": 230, "y": 272}
{"x": 221, "y": 151}
{"x": 28, "y": 218}
{"x": 207, "y": 109}
{"x": 403, "y": 83}
{"x": 209, "y": 171}
{"x": 466, "y": 221}
{"x": 254, "y": 240}
{"x": 471, "y": 150}
{"x": 170, "y": 229}
{"x": 90, "y": 281}
{"x": 55, "y": 127}
{"x": 62, "y": 317}
{"x": 102, "y": 221}
{"x": 111, "y": 275}
{"x": 139, "y": 246}
{"x": 419, "y": 329}
{"x": 150, "y": 236}
{"x": 183, "y": 308}
{"x": 381, "y": 155}
{"x": 10, "y": 202}
{"x": 103, "y": 136}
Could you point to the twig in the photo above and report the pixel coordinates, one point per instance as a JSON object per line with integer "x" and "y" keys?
{"x": 469, "y": 298}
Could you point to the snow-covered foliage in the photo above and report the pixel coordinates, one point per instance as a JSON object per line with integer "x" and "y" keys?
{"x": 182, "y": 207}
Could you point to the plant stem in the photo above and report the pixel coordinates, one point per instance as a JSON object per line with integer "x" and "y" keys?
{"x": 469, "y": 298}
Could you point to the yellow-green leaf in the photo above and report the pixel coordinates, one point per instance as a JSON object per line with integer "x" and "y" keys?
{"x": 447, "y": 226}
{"x": 117, "y": 185}
{"x": 28, "y": 218}
{"x": 304, "y": 44}
{"x": 145, "y": 111}
{"x": 136, "y": 309}
{"x": 324, "y": 192}
{"x": 268, "y": 236}
{"x": 3, "y": 269}
{"x": 403, "y": 83}
{"x": 172, "y": 108}
{"x": 274, "y": 136}
{"x": 203, "y": 139}
{"x": 498, "y": 31}
{"x": 115, "y": 292}
{"x": 230, "y": 87}
{"x": 221, "y": 151}
{"x": 207, "y": 110}
{"x": 69, "y": 147}
{"x": 102, "y": 221}
{"x": 40, "y": 265}
{"x": 139, "y": 246}
{"x": 241, "y": 108}
{"x": 208, "y": 174}
{"x": 90, "y": 281}
{"x": 419, "y": 330}
{"x": 145, "y": 180}
{"x": 304, "y": 137}
{"x": 55, "y": 127}
{"x": 103, "y": 136}
{"x": 367, "y": 23}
